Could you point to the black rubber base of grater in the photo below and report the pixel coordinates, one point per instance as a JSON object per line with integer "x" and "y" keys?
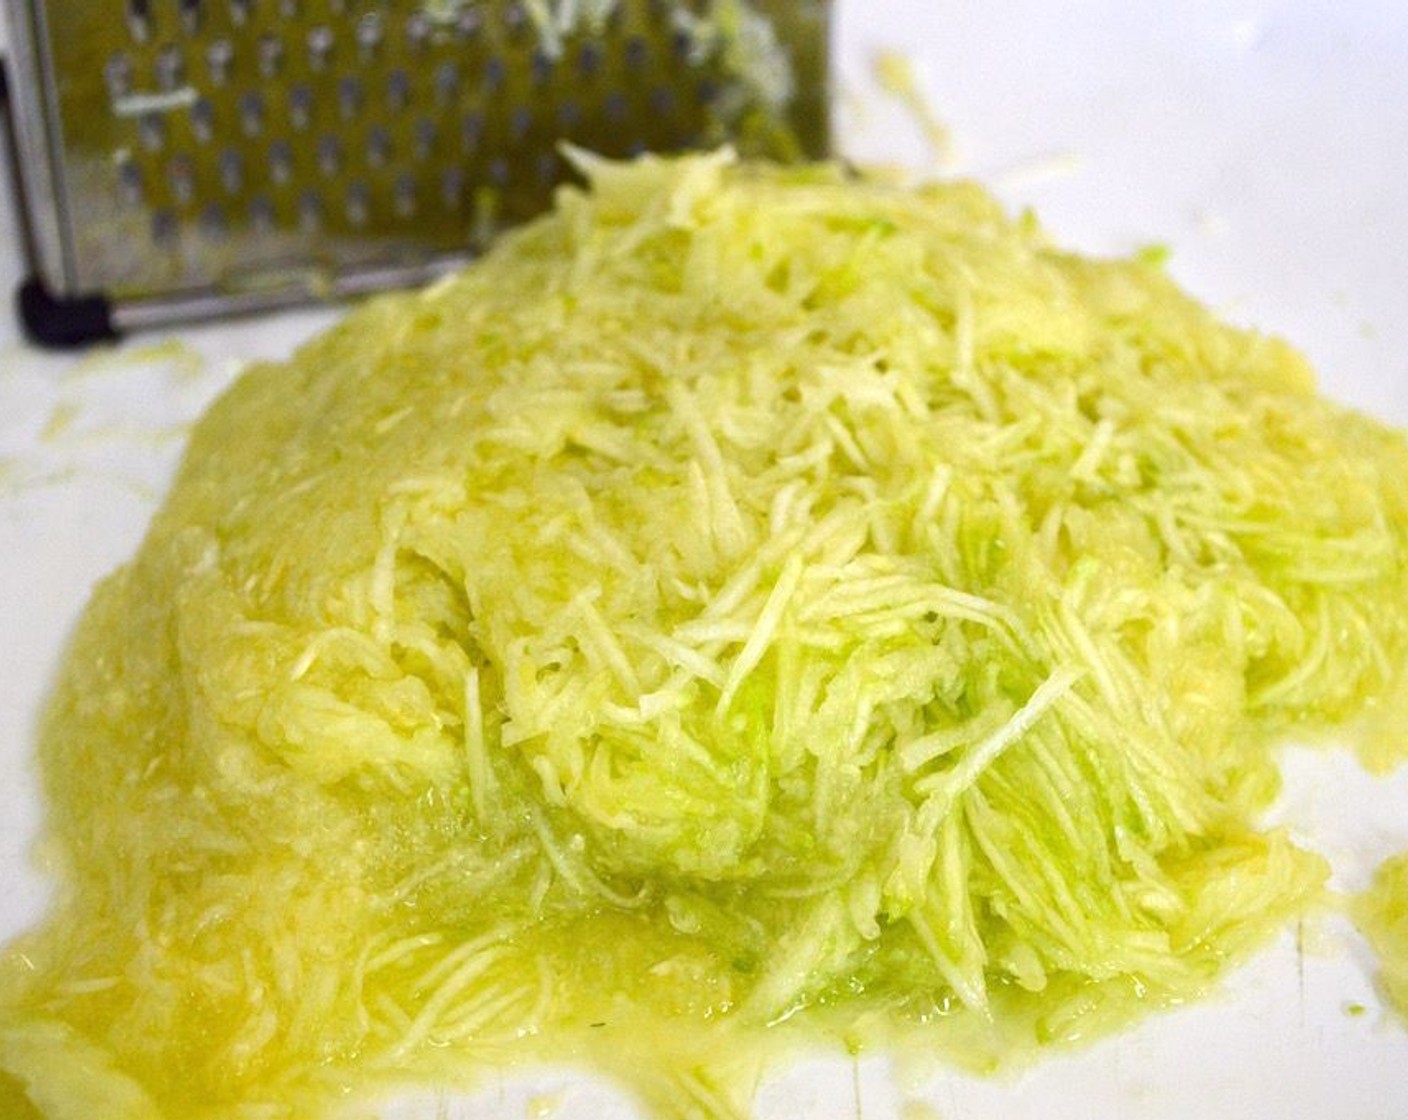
{"x": 62, "y": 323}
{"x": 54, "y": 322}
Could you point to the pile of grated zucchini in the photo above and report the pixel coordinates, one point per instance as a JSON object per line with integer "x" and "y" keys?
{"x": 747, "y": 595}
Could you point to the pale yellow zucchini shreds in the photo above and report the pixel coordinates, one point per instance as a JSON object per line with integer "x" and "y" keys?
{"x": 747, "y": 596}
{"x": 1381, "y": 912}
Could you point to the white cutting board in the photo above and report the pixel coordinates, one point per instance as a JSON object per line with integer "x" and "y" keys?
{"x": 1266, "y": 144}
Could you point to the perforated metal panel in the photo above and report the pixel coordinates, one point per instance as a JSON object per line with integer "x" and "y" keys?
{"x": 238, "y": 149}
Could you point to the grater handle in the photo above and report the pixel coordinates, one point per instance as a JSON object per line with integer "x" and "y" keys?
{"x": 54, "y": 322}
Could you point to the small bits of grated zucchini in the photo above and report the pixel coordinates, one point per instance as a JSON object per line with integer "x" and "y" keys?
{"x": 748, "y": 594}
{"x": 1381, "y": 913}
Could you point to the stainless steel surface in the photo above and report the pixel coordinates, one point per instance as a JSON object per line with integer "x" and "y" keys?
{"x": 310, "y": 287}
{"x": 38, "y": 142}
{"x": 200, "y": 156}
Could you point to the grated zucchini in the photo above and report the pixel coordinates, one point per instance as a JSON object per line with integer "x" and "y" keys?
{"x": 1381, "y": 913}
{"x": 747, "y": 595}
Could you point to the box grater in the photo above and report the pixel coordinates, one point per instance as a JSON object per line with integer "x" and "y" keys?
{"x": 183, "y": 159}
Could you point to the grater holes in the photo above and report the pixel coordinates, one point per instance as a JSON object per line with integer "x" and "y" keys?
{"x": 164, "y": 229}
{"x": 569, "y": 116}
{"x": 387, "y": 132}
{"x": 494, "y": 74}
{"x": 131, "y": 183}
{"x": 300, "y": 106}
{"x": 520, "y": 121}
{"x": 398, "y": 90}
{"x": 219, "y": 58}
{"x": 169, "y": 68}
{"x": 461, "y": 153}
{"x": 378, "y": 146}
{"x": 371, "y": 29}
{"x": 351, "y": 96}
{"x": 541, "y": 68}
{"x": 424, "y": 138}
{"x": 637, "y": 54}
{"x": 310, "y": 211}
{"x": 471, "y": 130}
{"x": 447, "y": 82}
{"x": 214, "y": 226}
{"x": 280, "y": 162}
{"x": 320, "y": 42}
{"x": 329, "y": 155}
{"x": 662, "y": 101}
{"x": 231, "y": 171}
{"x": 589, "y": 60}
{"x": 151, "y": 131}
{"x": 190, "y": 12}
{"x": 468, "y": 24}
{"x": 452, "y": 185}
{"x": 181, "y": 179}
{"x": 515, "y": 21}
{"x": 357, "y": 206}
{"x": 269, "y": 55}
{"x": 417, "y": 31}
{"x": 261, "y": 214}
{"x": 139, "y": 20}
{"x": 117, "y": 76}
{"x": 547, "y": 167}
{"x": 202, "y": 118}
{"x": 404, "y": 199}
{"x": 251, "y": 111}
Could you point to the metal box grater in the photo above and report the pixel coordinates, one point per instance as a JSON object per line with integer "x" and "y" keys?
{"x": 181, "y": 159}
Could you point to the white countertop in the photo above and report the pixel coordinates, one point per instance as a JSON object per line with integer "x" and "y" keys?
{"x": 1265, "y": 143}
